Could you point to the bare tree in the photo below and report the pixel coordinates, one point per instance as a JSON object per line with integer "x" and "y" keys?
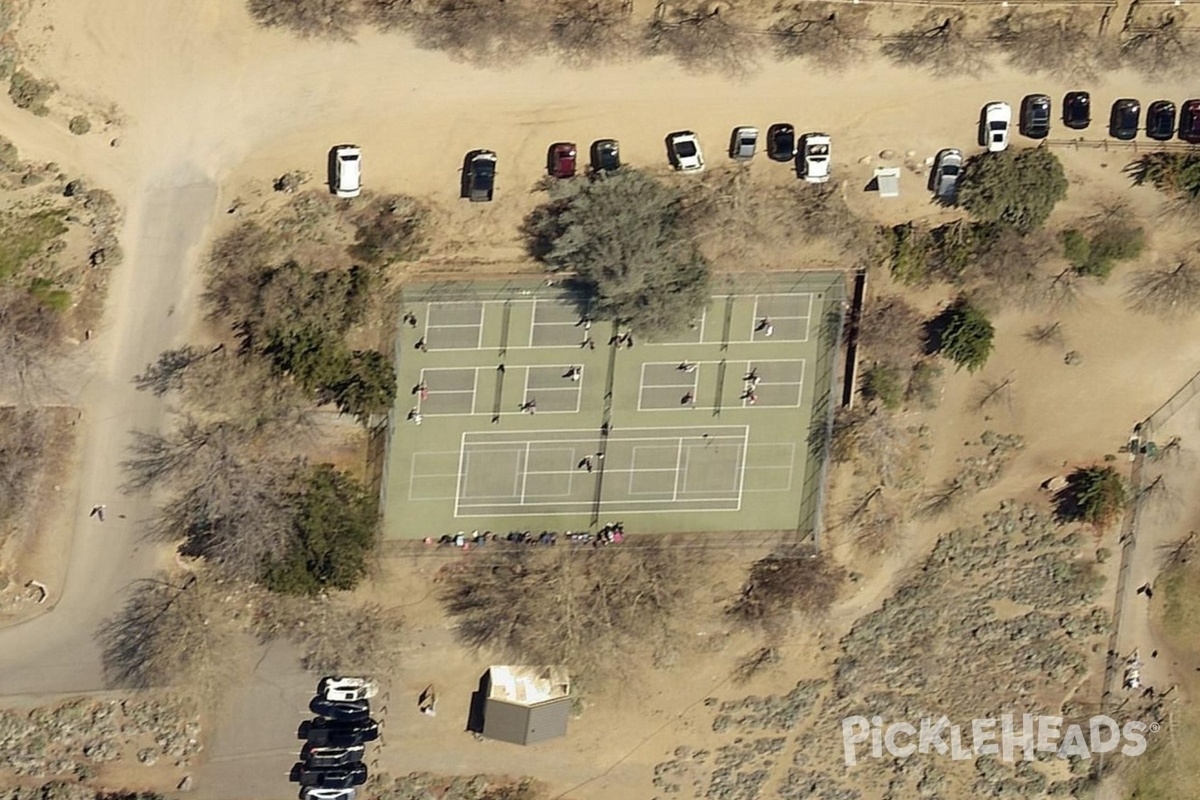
{"x": 1160, "y": 49}
{"x": 25, "y": 435}
{"x": 334, "y": 19}
{"x": 1160, "y": 499}
{"x": 792, "y": 580}
{"x": 871, "y": 440}
{"x": 1170, "y": 293}
{"x": 587, "y": 607}
{"x": 892, "y": 330}
{"x": 1051, "y": 43}
{"x": 584, "y": 32}
{"x": 482, "y": 31}
{"x": 941, "y": 47}
{"x": 31, "y": 343}
{"x": 827, "y": 36}
{"x": 994, "y": 393}
{"x": 1064, "y": 289}
{"x": 756, "y": 662}
{"x": 1049, "y": 334}
{"x": 705, "y": 41}
{"x": 181, "y": 635}
{"x": 875, "y": 520}
{"x": 945, "y": 497}
{"x": 335, "y": 635}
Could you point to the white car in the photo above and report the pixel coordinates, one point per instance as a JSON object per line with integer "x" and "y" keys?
{"x": 316, "y": 793}
{"x": 348, "y": 170}
{"x": 685, "y": 152}
{"x": 814, "y": 149}
{"x": 996, "y": 119}
{"x": 347, "y": 690}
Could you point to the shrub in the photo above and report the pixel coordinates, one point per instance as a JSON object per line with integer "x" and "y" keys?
{"x": 623, "y": 238}
{"x": 885, "y": 383}
{"x": 30, "y": 93}
{"x": 1018, "y": 188}
{"x": 890, "y": 330}
{"x": 793, "y": 579}
{"x": 964, "y": 335}
{"x": 391, "y": 229}
{"x": 1174, "y": 174}
{"x": 49, "y": 295}
{"x": 9, "y": 157}
{"x": 1099, "y": 255}
{"x": 910, "y": 254}
{"x": 79, "y": 125}
{"x": 923, "y": 388}
{"x": 1093, "y": 494}
{"x": 335, "y": 532}
{"x": 21, "y": 238}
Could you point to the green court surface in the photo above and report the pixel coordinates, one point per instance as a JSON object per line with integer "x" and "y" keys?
{"x": 516, "y": 412}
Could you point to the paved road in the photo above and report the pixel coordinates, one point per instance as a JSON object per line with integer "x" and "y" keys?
{"x": 57, "y": 652}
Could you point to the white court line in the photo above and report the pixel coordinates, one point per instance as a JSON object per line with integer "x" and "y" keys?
{"x": 524, "y": 472}
{"x": 570, "y": 507}
{"x": 453, "y": 325}
{"x": 700, "y": 341}
{"x": 680, "y": 471}
{"x": 694, "y": 387}
{"x": 462, "y": 454}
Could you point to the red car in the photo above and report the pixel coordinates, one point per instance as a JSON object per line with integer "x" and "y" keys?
{"x": 562, "y": 160}
{"x": 1189, "y": 122}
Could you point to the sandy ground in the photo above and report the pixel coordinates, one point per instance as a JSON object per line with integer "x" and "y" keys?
{"x": 211, "y": 108}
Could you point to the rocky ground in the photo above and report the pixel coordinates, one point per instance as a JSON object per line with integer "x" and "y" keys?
{"x": 76, "y": 738}
{"x": 1002, "y": 617}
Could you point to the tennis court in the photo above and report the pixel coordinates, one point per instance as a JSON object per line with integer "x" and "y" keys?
{"x": 517, "y": 410}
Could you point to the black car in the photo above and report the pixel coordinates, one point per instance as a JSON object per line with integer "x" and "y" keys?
{"x": 606, "y": 155}
{"x": 1160, "y": 120}
{"x": 781, "y": 142}
{"x": 343, "y": 711}
{"x": 1123, "y": 122}
{"x": 1035, "y": 116}
{"x": 322, "y": 757}
{"x": 1189, "y": 122}
{"x": 328, "y": 733}
{"x": 333, "y": 777}
{"x": 1077, "y": 110}
{"x": 481, "y": 176}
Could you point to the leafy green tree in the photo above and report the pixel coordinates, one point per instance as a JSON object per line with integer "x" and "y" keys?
{"x": 623, "y": 237}
{"x": 1018, "y": 188}
{"x": 1093, "y": 494}
{"x": 1174, "y": 174}
{"x": 885, "y": 383}
{"x": 336, "y": 523}
{"x": 367, "y": 385}
{"x": 1098, "y": 255}
{"x": 965, "y": 335}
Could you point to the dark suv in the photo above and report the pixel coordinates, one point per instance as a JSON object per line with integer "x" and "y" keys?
{"x": 481, "y": 176}
{"x": 606, "y": 155}
{"x": 1189, "y": 122}
{"x": 1035, "y": 116}
{"x": 327, "y": 733}
{"x": 1123, "y": 122}
{"x": 1160, "y": 120}
{"x": 1077, "y": 110}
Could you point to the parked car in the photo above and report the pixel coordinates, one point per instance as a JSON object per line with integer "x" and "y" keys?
{"x": 1189, "y": 122}
{"x": 333, "y": 777}
{"x": 562, "y": 160}
{"x": 347, "y": 689}
{"x": 684, "y": 148}
{"x": 814, "y": 157}
{"x": 1123, "y": 121}
{"x": 481, "y": 176}
{"x": 1035, "y": 116}
{"x": 1160, "y": 120}
{"x": 781, "y": 142}
{"x": 347, "y": 159}
{"x": 744, "y": 143}
{"x": 331, "y": 733}
{"x": 332, "y": 756}
{"x": 996, "y": 119}
{"x": 343, "y": 711}
{"x": 606, "y": 155}
{"x": 316, "y": 793}
{"x": 1077, "y": 110}
{"x": 946, "y": 170}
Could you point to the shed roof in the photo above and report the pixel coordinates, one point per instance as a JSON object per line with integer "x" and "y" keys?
{"x": 526, "y": 704}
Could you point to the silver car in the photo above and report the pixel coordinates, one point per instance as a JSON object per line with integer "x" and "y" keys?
{"x": 744, "y": 143}
{"x": 947, "y": 168}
